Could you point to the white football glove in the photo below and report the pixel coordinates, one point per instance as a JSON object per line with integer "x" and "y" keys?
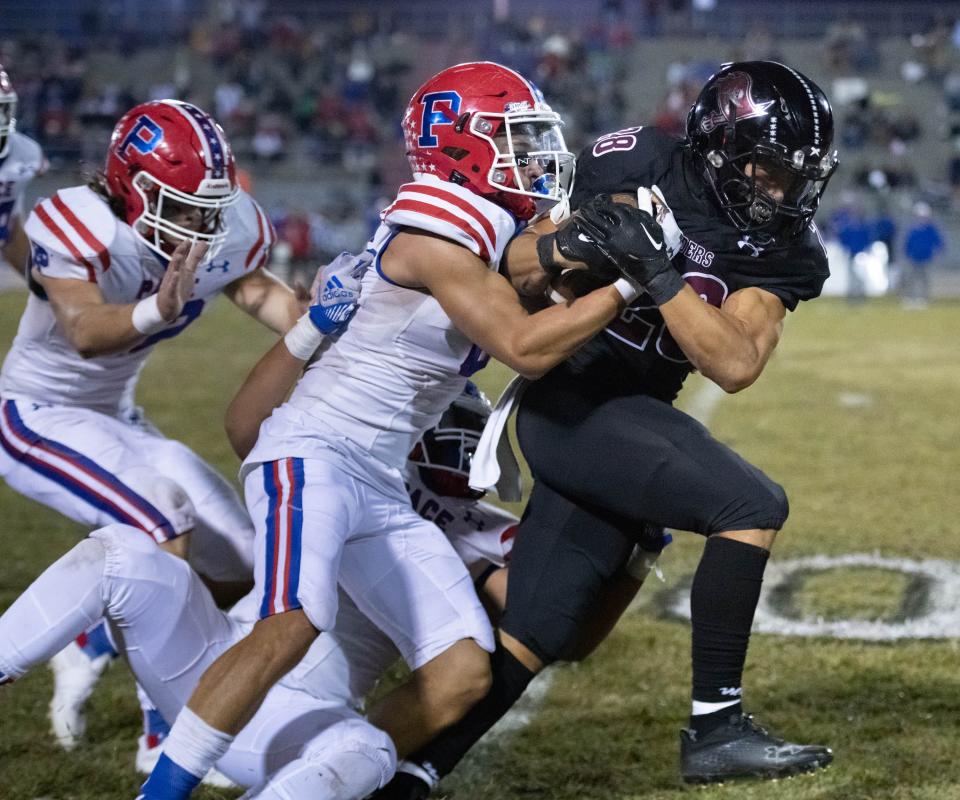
{"x": 653, "y": 202}
{"x": 335, "y": 295}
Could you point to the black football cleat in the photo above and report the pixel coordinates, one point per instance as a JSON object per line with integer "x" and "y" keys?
{"x": 403, "y": 786}
{"x": 740, "y": 748}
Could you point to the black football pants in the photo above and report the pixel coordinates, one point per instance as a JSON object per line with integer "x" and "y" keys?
{"x": 603, "y": 468}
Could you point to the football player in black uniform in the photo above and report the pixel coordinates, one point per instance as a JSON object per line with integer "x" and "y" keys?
{"x": 610, "y": 455}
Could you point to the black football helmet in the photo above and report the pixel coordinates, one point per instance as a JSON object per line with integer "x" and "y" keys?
{"x": 764, "y": 119}
{"x": 444, "y": 453}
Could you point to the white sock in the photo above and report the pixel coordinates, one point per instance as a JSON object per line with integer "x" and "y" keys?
{"x": 699, "y": 707}
{"x": 426, "y": 773}
{"x": 194, "y": 745}
{"x": 56, "y": 608}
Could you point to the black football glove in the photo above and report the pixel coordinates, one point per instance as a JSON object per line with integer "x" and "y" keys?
{"x": 574, "y": 245}
{"x": 631, "y": 239}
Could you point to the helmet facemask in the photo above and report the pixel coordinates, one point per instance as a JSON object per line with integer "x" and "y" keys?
{"x": 530, "y": 156}
{"x": 445, "y": 452}
{"x": 768, "y": 189}
{"x": 161, "y": 202}
{"x": 8, "y": 119}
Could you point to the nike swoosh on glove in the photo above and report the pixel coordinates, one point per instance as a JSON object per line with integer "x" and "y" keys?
{"x": 632, "y": 240}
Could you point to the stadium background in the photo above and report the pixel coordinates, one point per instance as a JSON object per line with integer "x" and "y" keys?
{"x": 855, "y": 414}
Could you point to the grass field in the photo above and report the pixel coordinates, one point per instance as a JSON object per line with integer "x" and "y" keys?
{"x": 856, "y": 415}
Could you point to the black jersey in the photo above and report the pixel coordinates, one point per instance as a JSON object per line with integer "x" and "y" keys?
{"x": 636, "y": 352}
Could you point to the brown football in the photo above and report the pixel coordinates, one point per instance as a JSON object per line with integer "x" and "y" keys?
{"x": 577, "y": 282}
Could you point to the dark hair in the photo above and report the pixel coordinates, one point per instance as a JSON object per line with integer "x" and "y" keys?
{"x": 97, "y": 183}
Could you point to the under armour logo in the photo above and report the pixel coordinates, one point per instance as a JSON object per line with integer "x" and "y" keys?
{"x": 746, "y": 244}
{"x": 477, "y": 521}
{"x": 223, "y": 266}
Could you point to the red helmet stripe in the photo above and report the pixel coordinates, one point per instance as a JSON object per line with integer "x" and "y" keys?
{"x": 55, "y": 229}
{"x": 74, "y": 221}
{"x": 459, "y": 202}
{"x": 439, "y": 213}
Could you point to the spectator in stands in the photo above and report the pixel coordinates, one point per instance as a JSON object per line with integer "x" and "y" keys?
{"x": 922, "y": 244}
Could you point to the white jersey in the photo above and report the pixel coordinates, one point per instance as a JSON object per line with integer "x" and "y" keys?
{"x": 23, "y": 161}
{"x": 75, "y": 235}
{"x": 400, "y": 362}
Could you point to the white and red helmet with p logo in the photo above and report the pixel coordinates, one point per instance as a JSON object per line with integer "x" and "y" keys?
{"x": 170, "y": 153}
{"x": 479, "y": 125}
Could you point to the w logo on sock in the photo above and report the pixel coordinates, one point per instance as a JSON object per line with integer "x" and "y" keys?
{"x": 728, "y": 691}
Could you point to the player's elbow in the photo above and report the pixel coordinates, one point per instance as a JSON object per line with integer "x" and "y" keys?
{"x": 85, "y": 344}
{"x": 530, "y": 368}
{"x": 526, "y": 359}
{"x": 736, "y": 379}
{"x": 241, "y": 435}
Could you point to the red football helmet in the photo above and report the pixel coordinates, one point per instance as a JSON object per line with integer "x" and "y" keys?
{"x": 483, "y": 126}
{"x": 8, "y": 111}
{"x": 169, "y": 156}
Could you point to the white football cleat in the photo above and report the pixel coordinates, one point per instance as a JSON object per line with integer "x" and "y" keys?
{"x": 147, "y": 758}
{"x": 74, "y": 676}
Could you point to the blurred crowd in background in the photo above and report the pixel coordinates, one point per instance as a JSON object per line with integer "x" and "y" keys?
{"x": 311, "y": 101}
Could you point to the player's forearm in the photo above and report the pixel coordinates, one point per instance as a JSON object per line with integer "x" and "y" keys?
{"x": 522, "y": 260}
{"x": 536, "y": 344}
{"x": 265, "y": 388}
{"x": 523, "y": 265}
{"x": 99, "y": 330}
{"x": 718, "y": 344}
{"x": 267, "y": 299}
{"x": 17, "y": 250}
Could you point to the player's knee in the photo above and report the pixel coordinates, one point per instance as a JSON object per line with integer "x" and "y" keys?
{"x": 777, "y": 506}
{"x": 282, "y": 640}
{"x": 90, "y": 551}
{"x": 122, "y": 541}
{"x": 356, "y": 736}
{"x": 165, "y": 495}
{"x": 548, "y": 635}
{"x": 459, "y": 680}
{"x": 764, "y": 507}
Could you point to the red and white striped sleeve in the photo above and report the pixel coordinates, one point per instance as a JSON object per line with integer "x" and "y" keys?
{"x": 259, "y": 254}
{"x": 455, "y": 213}
{"x": 70, "y": 235}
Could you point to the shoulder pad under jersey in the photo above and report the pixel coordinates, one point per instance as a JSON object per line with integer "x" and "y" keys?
{"x": 455, "y": 213}
{"x": 26, "y": 157}
{"x": 250, "y": 231}
{"x": 76, "y": 223}
{"x": 621, "y": 161}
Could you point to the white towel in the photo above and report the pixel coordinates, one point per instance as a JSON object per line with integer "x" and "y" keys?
{"x": 494, "y": 464}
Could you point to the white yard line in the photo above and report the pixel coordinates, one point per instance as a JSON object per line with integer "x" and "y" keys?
{"x": 701, "y": 408}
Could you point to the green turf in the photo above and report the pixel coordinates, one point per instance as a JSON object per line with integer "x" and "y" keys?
{"x": 856, "y": 416}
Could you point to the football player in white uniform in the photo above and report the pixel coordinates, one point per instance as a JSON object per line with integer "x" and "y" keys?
{"x": 21, "y": 159}
{"x": 308, "y": 740}
{"x": 324, "y": 485}
{"x": 117, "y": 266}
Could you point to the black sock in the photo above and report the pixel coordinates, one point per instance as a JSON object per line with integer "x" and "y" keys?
{"x": 723, "y": 599}
{"x": 704, "y": 723}
{"x": 510, "y": 679}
